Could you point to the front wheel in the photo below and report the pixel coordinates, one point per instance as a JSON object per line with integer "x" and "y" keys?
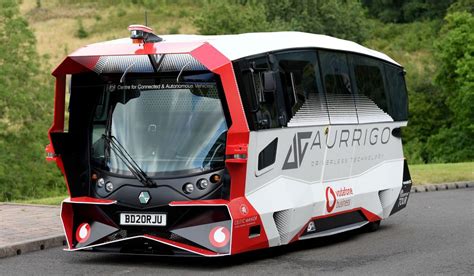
{"x": 373, "y": 226}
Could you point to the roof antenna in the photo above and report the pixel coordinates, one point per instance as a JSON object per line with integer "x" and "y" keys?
{"x": 143, "y": 33}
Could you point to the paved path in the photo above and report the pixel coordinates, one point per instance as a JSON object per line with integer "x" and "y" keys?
{"x": 433, "y": 235}
{"x": 25, "y": 228}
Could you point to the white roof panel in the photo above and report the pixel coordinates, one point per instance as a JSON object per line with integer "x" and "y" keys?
{"x": 243, "y": 45}
{"x": 249, "y": 44}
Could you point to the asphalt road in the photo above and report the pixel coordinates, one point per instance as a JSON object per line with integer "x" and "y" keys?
{"x": 434, "y": 234}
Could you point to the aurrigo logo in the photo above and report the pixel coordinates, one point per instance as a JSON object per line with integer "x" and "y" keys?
{"x": 304, "y": 142}
{"x": 296, "y": 152}
{"x": 330, "y": 199}
{"x": 219, "y": 236}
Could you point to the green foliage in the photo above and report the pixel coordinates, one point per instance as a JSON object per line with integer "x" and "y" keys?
{"x": 344, "y": 19}
{"x": 462, "y": 6}
{"x": 407, "y": 37}
{"x": 174, "y": 29}
{"x": 225, "y": 17}
{"x": 81, "y": 32}
{"x": 456, "y": 56}
{"x": 403, "y": 11}
{"x": 450, "y": 145}
{"x": 121, "y": 12}
{"x": 340, "y": 18}
{"x": 24, "y": 113}
{"x": 455, "y": 53}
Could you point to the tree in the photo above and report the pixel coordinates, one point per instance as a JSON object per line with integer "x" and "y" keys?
{"x": 225, "y": 17}
{"x": 340, "y": 18}
{"x": 23, "y": 112}
{"x": 403, "y": 11}
{"x": 456, "y": 79}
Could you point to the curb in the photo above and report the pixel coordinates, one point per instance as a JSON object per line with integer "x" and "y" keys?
{"x": 29, "y": 204}
{"x": 31, "y": 245}
{"x": 442, "y": 186}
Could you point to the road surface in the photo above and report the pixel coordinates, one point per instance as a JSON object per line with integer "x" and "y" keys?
{"x": 434, "y": 234}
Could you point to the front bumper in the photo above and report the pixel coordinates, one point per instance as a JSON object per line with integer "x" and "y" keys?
{"x": 190, "y": 230}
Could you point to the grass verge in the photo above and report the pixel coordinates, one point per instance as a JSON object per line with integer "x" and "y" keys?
{"x": 55, "y": 200}
{"x": 441, "y": 173}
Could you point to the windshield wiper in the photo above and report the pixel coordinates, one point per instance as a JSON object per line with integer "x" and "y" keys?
{"x": 123, "y": 155}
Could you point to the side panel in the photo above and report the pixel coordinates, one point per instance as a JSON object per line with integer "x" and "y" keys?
{"x": 323, "y": 170}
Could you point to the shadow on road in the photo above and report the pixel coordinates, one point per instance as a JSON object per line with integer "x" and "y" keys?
{"x": 203, "y": 263}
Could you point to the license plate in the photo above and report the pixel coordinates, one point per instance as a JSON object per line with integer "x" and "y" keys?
{"x": 143, "y": 219}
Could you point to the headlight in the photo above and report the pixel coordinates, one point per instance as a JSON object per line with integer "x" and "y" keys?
{"x": 188, "y": 188}
{"x": 202, "y": 184}
{"x": 100, "y": 182}
{"x": 215, "y": 178}
{"x": 109, "y": 187}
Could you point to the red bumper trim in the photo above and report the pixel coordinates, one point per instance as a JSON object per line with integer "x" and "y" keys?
{"x": 90, "y": 200}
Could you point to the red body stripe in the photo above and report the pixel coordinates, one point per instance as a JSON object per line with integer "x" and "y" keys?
{"x": 86, "y": 199}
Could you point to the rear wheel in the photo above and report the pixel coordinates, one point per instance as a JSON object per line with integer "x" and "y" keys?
{"x": 373, "y": 226}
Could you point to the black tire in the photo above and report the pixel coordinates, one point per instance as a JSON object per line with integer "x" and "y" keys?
{"x": 373, "y": 226}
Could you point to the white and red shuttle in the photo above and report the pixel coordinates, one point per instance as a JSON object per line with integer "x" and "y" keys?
{"x": 218, "y": 145}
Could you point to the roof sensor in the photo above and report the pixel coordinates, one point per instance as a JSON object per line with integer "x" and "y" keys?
{"x": 143, "y": 34}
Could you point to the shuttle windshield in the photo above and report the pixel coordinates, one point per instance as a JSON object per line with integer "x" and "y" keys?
{"x": 167, "y": 129}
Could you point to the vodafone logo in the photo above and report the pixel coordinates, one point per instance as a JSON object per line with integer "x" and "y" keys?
{"x": 219, "y": 236}
{"x": 330, "y": 199}
{"x": 83, "y": 232}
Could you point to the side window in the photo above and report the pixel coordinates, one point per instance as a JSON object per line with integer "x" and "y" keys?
{"x": 397, "y": 93}
{"x": 260, "y": 108}
{"x": 267, "y": 114}
{"x": 338, "y": 87}
{"x": 267, "y": 156}
{"x": 99, "y": 123}
{"x": 371, "y": 97}
{"x": 299, "y": 73}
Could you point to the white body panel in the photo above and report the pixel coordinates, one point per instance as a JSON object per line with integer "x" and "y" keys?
{"x": 367, "y": 159}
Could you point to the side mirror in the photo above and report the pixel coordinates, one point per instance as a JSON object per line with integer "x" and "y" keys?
{"x": 269, "y": 81}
